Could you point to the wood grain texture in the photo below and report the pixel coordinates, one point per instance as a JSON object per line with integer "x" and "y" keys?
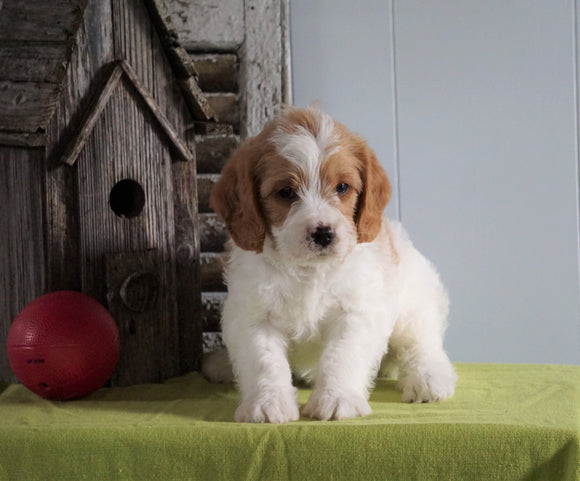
{"x": 209, "y": 25}
{"x": 187, "y": 265}
{"x": 62, "y": 220}
{"x": 62, "y": 230}
{"x": 36, "y": 43}
{"x": 213, "y": 151}
{"x": 175, "y": 137}
{"x": 226, "y": 108}
{"x": 286, "y": 58}
{"x": 135, "y": 40}
{"x": 39, "y": 20}
{"x": 21, "y": 139}
{"x": 101, "y": 98}
{"x": 27, "y": 106}
{"x": 217, "y": 72}
{"x": 126, "y": 143}
{"x": 149, "y": 338}
{"x": 178, "y": 57}
{"x": 213, "y": 128}
{"x": 21, "y": 239}
{"x": 34, "y": 62}
{"x": 261, "y": 65}
{"x": 183, "y": 67}
{"x": 200, "y": 107}
{"x": 92, "y": 114}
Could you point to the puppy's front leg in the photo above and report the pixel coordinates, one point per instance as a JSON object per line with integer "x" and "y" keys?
{"x": 259, "y": 359}
{"x": 344, "y": 374}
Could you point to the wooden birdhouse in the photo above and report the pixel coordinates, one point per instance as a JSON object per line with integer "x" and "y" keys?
{"x": 98, "y": 175}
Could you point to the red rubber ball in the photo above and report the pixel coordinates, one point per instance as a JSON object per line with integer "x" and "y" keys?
{"x": 63, "y": 345}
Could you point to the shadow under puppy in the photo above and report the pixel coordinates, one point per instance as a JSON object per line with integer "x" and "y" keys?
{"x": 320, "y": 283}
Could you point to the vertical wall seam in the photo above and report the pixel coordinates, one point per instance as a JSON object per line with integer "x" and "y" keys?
{"x": 576, "y": 141}
{"x": 397, "y": 173}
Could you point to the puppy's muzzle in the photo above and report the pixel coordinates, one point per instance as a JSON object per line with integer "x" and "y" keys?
{"x": 323, "y": 236}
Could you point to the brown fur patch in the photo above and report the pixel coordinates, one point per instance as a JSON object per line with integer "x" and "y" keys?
{"x": 278, "y": 173}
{"x": 376, "y": 191}
{"x": 235, "y": 197}
{"x": 342, "y": 167}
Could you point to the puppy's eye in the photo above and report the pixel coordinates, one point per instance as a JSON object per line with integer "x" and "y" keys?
{"x": 342, "y": 188}
{"x": 287, "y": 193}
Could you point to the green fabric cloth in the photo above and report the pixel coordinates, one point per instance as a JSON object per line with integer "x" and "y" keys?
{"x": 505, "y": 422}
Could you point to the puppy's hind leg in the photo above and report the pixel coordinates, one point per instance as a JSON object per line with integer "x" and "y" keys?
{"x": 425, "y": 372}
{"x": 217, "y": 367}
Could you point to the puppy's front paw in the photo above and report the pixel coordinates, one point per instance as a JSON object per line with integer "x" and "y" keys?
{"x": 273, "y": 408}
{"x": 428, "y": 386}
{"x": 324, "y": 405}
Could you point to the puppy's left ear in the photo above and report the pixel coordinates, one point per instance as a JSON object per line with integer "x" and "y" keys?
{"x": 375, "y": 195}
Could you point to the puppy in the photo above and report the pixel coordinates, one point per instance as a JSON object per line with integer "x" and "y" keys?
{"x": 320, "y": 284}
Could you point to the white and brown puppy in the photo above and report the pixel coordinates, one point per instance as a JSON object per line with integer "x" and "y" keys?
{"x": 320, "y": 284}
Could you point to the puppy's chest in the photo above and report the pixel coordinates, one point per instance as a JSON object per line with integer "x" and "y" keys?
{"x": 301, "y": 308}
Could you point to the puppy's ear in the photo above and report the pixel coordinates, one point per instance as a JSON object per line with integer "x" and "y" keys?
{"x": 235, "y": 198}
{"x": 375, "y": 195}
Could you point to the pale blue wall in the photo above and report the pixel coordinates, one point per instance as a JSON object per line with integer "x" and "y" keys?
{"x": 471, "y": 107}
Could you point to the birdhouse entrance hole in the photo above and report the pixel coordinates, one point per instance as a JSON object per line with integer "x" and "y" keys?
{"x": 127, "y": 198}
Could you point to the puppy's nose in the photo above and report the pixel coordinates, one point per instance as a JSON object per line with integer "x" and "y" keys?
{"x": 323, "y": 236}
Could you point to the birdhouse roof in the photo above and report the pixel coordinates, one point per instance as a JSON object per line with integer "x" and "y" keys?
{"x": 120, "y": 69}
{"x": 37, "y": 39}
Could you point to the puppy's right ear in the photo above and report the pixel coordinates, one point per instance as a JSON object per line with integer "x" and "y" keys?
{"x": 235, "y": 198}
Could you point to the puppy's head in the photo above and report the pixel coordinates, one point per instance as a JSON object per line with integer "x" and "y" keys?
{"x": 308, "y": 183}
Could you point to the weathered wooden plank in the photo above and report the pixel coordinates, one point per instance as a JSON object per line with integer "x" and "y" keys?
{"x": 61, "y": 186}
{"x": 181, "y": 148}
{"x": 209, "y": 25}
{"x": 92, "y": 114}
{"x": 139, "y": 299}
{"x": 27, "y": 106}
{"x": 213, "y": 151}
{"x": 211, "y": 272}
{"x": 286, "y": 59}
{"x": 178, "y": 57}
{"x": 262, "y": 70}
{"x": 217, "y": 72}
{"x": 205, "y": 183}
{"x": 135, "y": 39}
{"x": 21, "y": 238}
{"x": 200, "y": 107}
{"x": 226, "y": 108}
{"x": 34, "y": 62}
{"x": 62, "y": 230}
{"x": 18, "y": 139}
{"x": 213, "y": 233}
{"x": 39, "y": 20}
{"x": 183, "y": 67}
{"x": 212, "y": 307}
{"x": 187, "y": 273}
{"x": 213, "y": 128}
